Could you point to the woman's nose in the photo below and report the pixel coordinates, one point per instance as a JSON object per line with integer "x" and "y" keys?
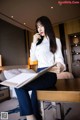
{"x": 40, "y": 29}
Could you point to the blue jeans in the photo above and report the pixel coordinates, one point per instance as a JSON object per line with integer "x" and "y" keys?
{"x": 29, "y": 105}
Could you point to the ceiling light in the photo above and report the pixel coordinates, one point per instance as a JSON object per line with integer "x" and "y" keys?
{"x": 51, "y": 7}
{"x": 12, "y": 16}
{"x": 24, "y": 23}
{"x": 75, "y": 36}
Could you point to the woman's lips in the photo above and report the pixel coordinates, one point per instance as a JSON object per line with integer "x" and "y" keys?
{"x": 41, "y": 33}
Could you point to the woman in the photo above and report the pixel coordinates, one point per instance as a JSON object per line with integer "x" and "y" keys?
{"x": 46, "y": 50}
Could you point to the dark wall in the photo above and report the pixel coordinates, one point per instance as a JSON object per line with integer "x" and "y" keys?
{"x": 12, "y": 44}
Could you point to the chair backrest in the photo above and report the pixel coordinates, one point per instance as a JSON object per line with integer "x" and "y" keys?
{"x": 32, "y": 64}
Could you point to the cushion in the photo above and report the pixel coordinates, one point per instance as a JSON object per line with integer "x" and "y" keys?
{"x": 65, "y": 75}
{"x": 11, "y": 73}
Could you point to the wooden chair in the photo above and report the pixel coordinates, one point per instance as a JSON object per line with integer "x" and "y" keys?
{"x": 32, "y": 64}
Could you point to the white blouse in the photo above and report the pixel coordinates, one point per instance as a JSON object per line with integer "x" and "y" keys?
{"x": 44, "y": 56}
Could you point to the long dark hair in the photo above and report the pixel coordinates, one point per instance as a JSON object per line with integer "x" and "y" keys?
{"x": 48, "y": 31}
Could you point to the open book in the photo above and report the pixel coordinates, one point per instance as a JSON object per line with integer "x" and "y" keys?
{"x": 24, "y": 78}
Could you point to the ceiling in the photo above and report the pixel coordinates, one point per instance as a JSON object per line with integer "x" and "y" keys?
{"x": 27, "y": 11}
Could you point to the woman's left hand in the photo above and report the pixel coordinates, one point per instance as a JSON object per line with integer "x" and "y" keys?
{"x": 57, "y": 69}
{"x": 60, "y": 67}
{"x": 54, "y": 69}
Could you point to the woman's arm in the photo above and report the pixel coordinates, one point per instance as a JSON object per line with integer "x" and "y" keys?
{"x": 59, "y": 57}
{"x": 32, "y": 52}
{"x": 33, "y": 47}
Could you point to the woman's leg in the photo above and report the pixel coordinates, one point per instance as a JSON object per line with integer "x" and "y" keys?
{"x": 45, "y": 81}
{"x": 24, "y": 102}
{"x": 30, "y": 106}
{"x": 36, "y": 105}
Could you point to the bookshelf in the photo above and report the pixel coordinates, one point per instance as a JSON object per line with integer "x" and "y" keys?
{"x": 75, "y": 53}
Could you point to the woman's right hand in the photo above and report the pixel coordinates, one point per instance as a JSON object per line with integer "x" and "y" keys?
{"x": 36, "y": 37}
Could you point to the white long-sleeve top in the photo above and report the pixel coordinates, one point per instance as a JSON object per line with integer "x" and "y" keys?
{"x": 44, "y": 56}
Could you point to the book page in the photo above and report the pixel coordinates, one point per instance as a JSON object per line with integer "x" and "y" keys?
{"x": 19, "y": 79}
{"x": 24, "y": 78}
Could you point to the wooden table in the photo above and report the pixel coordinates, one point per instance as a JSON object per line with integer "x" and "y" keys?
{"x": 65, "y": 91}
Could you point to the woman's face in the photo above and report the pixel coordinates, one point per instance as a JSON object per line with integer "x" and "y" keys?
{"x": 40, "y": 29}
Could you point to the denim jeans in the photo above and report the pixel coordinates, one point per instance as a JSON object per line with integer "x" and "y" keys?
{"x": 29, "y": 106}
